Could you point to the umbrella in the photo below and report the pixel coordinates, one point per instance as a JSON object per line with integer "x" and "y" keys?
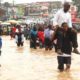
{"x": 5, "y": 23}
{"x": 0, "y": 21}
{"x": 12, "y": 21}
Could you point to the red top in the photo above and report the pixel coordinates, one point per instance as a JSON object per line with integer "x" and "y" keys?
{"x": 41, "y": 36}
{"x": 14, "y": 29}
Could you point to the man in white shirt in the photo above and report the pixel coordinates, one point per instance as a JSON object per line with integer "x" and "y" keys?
{"x": 63, "y": 15}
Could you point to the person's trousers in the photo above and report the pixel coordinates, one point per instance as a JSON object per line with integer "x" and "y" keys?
{"x": 33, "y": 44}
{"x": 63, "y": 60}
{"x": 48, "y": 43}
{"x": 0, "y": 52}
{"x": 20, "y": 44}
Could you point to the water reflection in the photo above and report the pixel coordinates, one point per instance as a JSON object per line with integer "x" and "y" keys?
{"x": 23, "y": 63}
{"x": 20, "y": 49}
{"x": 64, "y": 76}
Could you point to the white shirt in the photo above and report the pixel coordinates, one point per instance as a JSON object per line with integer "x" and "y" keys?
{"x": 51, "y": 32}
{"x": 64, "y": 55}
{"x": 16, "y": 38}
{"x": 62, "y": 17}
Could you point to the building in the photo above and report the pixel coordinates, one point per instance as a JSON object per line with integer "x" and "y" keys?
{"x": 42, "y": 8}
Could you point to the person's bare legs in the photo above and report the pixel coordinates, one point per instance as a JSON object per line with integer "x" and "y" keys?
{"x": 68, "y": 67}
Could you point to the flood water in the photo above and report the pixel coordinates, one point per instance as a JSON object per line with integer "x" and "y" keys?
{"x": 24, "y": 63}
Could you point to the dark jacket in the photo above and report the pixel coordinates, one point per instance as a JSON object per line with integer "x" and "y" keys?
{"x": 65, "y": 40}
{"x": 0, "y": 42}
{"x": 33, "y": 34}
{"x": 1, "y": 31}
{"x": 19, "y": 37}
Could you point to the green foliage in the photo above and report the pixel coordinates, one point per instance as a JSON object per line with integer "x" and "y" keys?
{"x": 6, "y": 4}
{"x": 77, "y": 3}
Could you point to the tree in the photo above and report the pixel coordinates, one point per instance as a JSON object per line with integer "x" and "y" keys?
{"x": 6, "y": 4}
{"x": 77, "y": 3}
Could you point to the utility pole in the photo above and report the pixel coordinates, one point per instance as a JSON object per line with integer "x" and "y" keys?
{"x": 13, "y": 3}
{"x": 13, "y": 8}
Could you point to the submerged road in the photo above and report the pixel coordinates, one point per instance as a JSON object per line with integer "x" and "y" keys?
{"x": 24, "y": 63}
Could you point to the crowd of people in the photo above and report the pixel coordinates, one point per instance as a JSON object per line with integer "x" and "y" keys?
{"x": 60, "y": 35}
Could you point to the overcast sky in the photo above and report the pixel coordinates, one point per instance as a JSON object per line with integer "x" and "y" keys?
{"x": 29, "y": 1}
